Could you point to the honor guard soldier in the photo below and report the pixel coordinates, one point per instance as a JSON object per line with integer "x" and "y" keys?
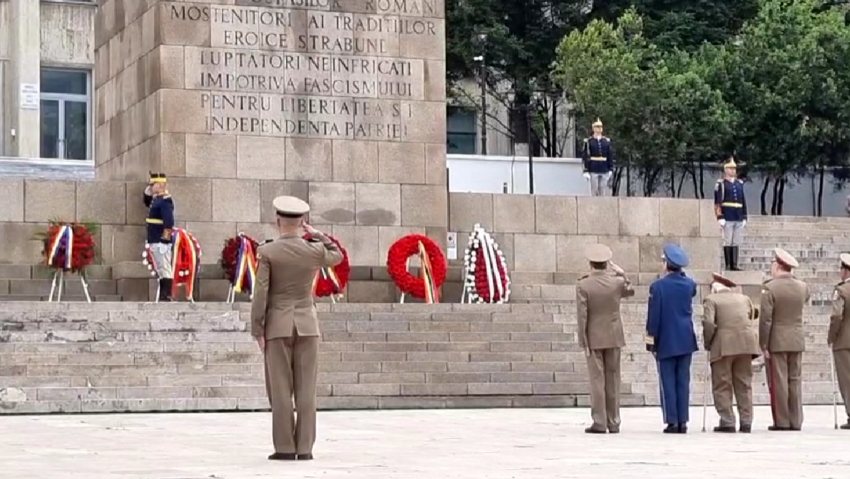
{"x": 730, "y": 207}
{"x": 671, "y": 338}
{"x": 600, "y": 334}
{"x": 598, "y": 160}
{"x": 160, "y": 224}
{"x": 783, "y": 342}
{"x": 284, "y": 323}
{"x": 731, "y": 337}
{"x": 838, "y": 337}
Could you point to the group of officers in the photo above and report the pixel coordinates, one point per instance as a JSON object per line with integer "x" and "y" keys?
{"x": 735, "y": 333}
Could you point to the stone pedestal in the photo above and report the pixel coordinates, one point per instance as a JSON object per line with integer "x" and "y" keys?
{"x": 340, "y": 102}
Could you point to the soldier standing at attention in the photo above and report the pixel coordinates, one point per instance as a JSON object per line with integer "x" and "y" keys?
{"x": 598, "y": 160}
{"x": 838, "y": 337}
{"x": 671, "y": 338}
{"x": 730, "y": 336}
{"x": 782, "y": 341}
{"x": 284, "y": 323}
{"x": 160, "y": 225}
{"x": 730, "y": 207}
{"x": 600, "y": 334}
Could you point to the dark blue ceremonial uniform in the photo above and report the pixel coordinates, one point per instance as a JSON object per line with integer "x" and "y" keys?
{"x": 671, "y": 337}
{"x": 160, "y": 221}
{"x": 730, "y": 203}
{"x": 597, "y": 155}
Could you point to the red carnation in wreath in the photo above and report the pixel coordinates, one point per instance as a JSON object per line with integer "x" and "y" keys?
{"x": 486, "y": 269}
{"x": 230, "y": 255}
{"x": 60, "y": 237}
{"x": 397, "y": 259}
{"x": 333, "y": 281}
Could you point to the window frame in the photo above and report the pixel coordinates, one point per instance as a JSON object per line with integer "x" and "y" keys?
{"x": 62, "y": 99}
{"x": 473, "y": 132}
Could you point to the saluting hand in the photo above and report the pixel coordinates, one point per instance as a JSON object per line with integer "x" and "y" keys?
{"x": 616, "y": 269}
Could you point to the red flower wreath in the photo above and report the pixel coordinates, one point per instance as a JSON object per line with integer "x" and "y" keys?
{"x": 82, "y": 251}
{"x": 397, "y": 257}
{"x": 230, "y": 255}
{"x": 325, "y": 286}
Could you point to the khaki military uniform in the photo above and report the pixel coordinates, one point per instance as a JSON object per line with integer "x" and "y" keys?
{"x": 839, "y": 337}
{"x": 283, "y": 311}
{"x": 781, "y": 334}
{"x": 732, "y": 340}
{"x": 600, "y": 331}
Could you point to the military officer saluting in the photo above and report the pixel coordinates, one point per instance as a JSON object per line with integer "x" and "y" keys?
{"x": 671, "y": 338}
{"x": 783, "y": 342}
{"x": 598, "y": 160}
{"x": 160, "y": 224}
{"x": 284, "y": 323}
{"x": 731, "y": 336}
{"x": 600, "y": 334}
{"x": 730, "y": 207}
{"x": 838, "y": 337}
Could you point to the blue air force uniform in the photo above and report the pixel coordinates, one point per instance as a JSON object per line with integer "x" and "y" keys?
{"x": 671, "y": 338}
{"x": 730, "y": 208}
{"x": 160, "y": 225}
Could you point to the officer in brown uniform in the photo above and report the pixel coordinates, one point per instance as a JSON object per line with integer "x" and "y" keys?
{"x": 782, "y": 341}
{"x": 600, "y": 334}
{"x": 284, "y": 323}
{"x": 730, "y": 336}
{"x": 839, "y": 334}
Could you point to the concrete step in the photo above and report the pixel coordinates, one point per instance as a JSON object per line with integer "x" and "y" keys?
{"x": 99, "y": 298}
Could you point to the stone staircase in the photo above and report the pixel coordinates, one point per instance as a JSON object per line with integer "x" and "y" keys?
{"x": 108, "y": 357}
{"x": 815, "y": 242}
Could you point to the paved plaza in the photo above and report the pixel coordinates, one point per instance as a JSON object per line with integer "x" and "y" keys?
{"x": 517, "y": 443}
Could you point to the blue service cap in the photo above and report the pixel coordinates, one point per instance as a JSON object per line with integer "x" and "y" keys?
{"x": 675, "y": 256}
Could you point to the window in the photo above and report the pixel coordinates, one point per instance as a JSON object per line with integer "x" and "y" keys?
{"x": 462, "y": 131}
{"x": 66, "y": 114}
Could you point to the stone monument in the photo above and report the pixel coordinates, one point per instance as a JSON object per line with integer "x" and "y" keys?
{"x": 339, "y": 102}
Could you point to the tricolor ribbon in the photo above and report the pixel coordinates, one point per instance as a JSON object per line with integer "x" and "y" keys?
{"x": 425, "y": 271}
{"x": 64, "y": 239}
{"x": 184, "y": 262}
{"x": 246, "y": 266}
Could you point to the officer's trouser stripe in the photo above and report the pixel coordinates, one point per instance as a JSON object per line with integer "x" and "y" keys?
{"x": 661, "y": 391}
{"x": 771, "y": 385}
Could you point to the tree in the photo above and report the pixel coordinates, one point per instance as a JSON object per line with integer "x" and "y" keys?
{"x": 660, "y": 110}
{"x": 788, "y": 75}
{"x": 517, "y": 41}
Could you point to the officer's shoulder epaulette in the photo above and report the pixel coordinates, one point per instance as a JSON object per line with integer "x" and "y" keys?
{"x": 766, "y": 282}
{"x": 586, "y": 140}
{"x": 584, "y": 277}
{"x": 739, "y": 180}
{"x": 606, "y": 138}
{"x": 720, "y": 180}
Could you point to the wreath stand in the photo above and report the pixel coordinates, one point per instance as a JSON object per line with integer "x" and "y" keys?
{"x": 406, "y": 267}
{"x": 57, "y": 286}
{"x": 231, "y": 294}
{"x": 325, "y": 276}
{"x": 464, "y": 295}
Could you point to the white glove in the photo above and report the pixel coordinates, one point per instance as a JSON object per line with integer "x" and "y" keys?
{"x": 743, "y": 223}
{"x": 587, "y": 176}
{"x": 721, "y": 222}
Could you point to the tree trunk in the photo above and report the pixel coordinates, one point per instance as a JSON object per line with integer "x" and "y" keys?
{"x": 682, "y": 182}
{"x": 701, "y": 180}
{"x": 775, "y": 200}
{"x": 781, "y": 200}
{"x": 673, "y": 182}
{"x": 820, "y": 191}
{"x": 764, "y": 195}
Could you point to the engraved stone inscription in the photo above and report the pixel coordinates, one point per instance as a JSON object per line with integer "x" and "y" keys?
{"x": 312, "y": 68}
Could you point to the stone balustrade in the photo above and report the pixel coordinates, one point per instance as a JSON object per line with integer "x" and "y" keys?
{"x": 107, "y": 357}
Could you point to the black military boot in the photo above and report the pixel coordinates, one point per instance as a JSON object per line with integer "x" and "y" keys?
{"x": 746, "y": 428}
{"x": 727, "y": 429}
{"x": 727, "y": 257}
{"x": 165, "y": 290}
{"x": 846, "y": 426}
{"x": 671, "y": 429}
{"x": 735, "y": 250}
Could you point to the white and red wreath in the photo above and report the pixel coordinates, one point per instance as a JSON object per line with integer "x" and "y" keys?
{"x": 487, "y": 278}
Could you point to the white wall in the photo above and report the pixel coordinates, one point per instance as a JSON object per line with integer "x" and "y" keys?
{"x": 489, "y": 174}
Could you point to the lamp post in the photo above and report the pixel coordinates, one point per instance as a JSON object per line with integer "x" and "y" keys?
{"x": 482, "y": 40}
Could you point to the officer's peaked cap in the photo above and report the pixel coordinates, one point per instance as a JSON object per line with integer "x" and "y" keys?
{"x": 598, "y": 253}
{"x": 785, "y": 258}
{"x": 675, "y": 256}
{"x": 719, "y": 278}
{"x": 845, "y": 259}
{"x": 290, "y": 206}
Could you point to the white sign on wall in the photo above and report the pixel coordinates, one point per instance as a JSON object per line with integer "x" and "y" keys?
{"x": 451, "y": 245}
{"x": 30, "y": 97}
